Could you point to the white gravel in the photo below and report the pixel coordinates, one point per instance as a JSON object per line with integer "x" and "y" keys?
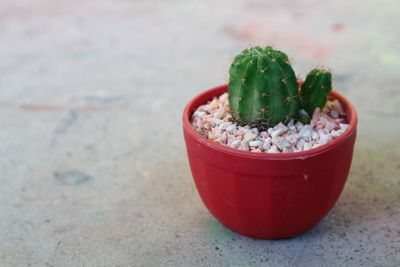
{"x": 214, "y": 121}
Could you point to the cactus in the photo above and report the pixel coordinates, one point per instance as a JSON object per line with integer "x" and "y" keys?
{"x": 262, "y": 88}
{"x": 315, "y": 90}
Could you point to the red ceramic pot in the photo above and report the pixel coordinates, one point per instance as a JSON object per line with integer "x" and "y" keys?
{"x": 264, "y": 195}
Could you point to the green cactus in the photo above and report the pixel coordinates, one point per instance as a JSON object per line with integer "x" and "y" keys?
{"x": 262, "y": 88}
{"x": 315, "y": 90}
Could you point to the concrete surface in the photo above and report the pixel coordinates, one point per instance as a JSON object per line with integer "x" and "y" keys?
{"x": 93, "y": 168}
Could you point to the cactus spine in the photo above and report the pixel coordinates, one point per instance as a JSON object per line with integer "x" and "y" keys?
{"x": 315, "y": 90}
{"x": 262, "y": 88}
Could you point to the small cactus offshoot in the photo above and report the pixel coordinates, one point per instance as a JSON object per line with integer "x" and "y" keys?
{"x": 315, "y": 90}
{"x": 262, "y": 88}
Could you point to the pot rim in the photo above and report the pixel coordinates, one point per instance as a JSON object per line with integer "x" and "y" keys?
{"x": 350, "y": 110}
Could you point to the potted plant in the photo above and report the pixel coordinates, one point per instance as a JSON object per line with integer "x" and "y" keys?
{"x": 268, "y": 189}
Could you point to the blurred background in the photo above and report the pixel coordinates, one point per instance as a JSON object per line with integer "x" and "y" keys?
{"x": 93, "y": 168}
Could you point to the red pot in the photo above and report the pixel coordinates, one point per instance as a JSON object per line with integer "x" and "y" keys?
{"x": 263, "y": 195}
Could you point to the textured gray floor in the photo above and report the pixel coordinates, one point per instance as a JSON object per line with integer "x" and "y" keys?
{"x": 93, "y": 169}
